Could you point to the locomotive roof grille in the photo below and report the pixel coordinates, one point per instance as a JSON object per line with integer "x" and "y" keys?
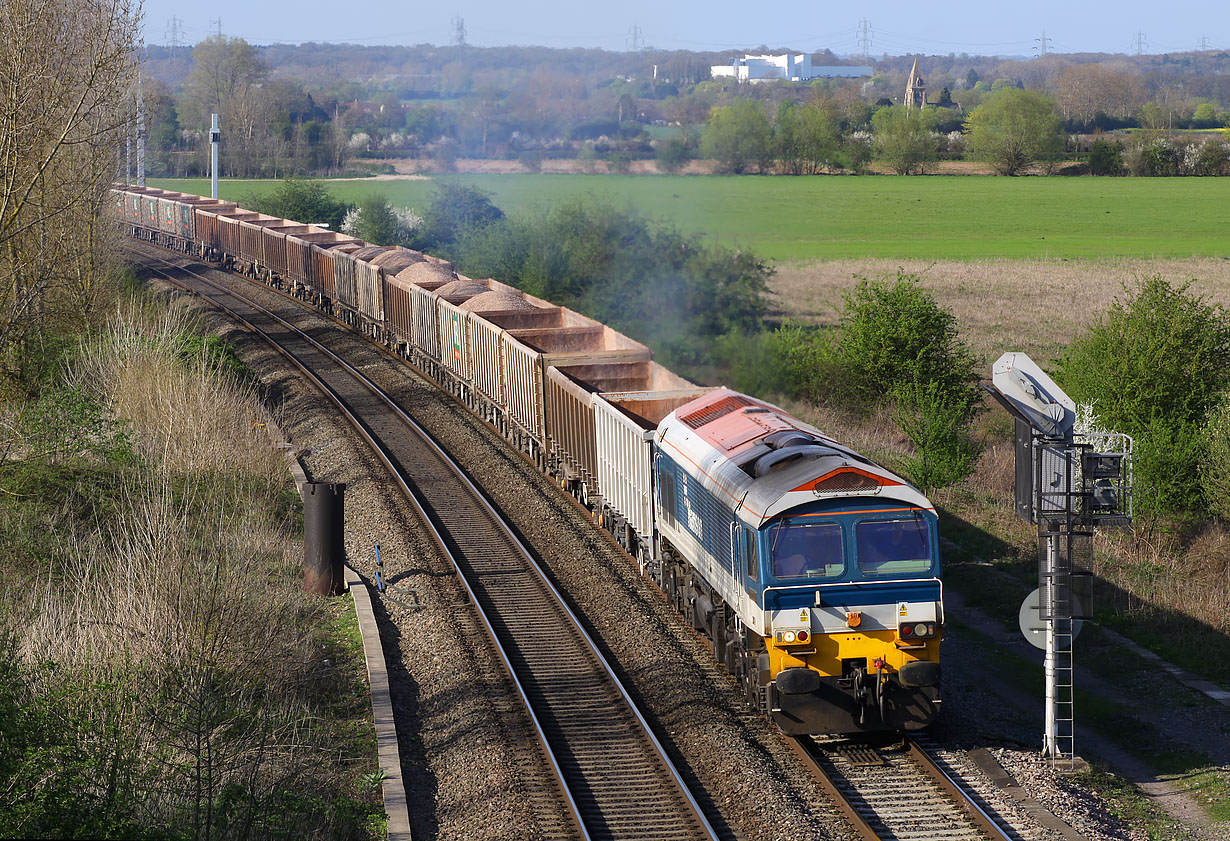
{"x": 719, "y": 409}
{"x": 847, "y": 480}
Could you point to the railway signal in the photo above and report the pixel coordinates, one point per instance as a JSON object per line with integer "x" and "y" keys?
{"x": 215, "y": 137}
{"x": 1068, "y": 481}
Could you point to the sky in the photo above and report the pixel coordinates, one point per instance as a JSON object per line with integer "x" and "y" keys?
{"x": 989, "y": 27}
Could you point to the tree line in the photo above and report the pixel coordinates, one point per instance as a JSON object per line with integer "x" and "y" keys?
{"x": 281, "y": 115}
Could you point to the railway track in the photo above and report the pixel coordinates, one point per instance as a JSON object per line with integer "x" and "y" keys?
{"x": 904, "y": 792}
{"x": 612, "y": 770}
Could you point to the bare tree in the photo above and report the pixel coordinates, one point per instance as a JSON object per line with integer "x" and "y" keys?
{"x": 1083, "y": 90}
{"x": 67, "y": 74}
{"x": 227, "y": 78}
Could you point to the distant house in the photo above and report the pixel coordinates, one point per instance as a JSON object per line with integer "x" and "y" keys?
{"x": 790, "y": 68}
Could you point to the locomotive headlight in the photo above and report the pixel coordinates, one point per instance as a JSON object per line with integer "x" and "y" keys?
{"x": 919, "y": 630}
{"x": 797, "y": 636}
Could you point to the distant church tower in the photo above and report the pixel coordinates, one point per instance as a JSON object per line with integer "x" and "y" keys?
{"x": 915, "y": 89}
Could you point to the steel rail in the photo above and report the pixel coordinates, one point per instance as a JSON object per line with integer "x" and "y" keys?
{"x": 808, "y": 758}
{"x": 870, "y": 822}
{"x": 956, "y": 791}
{"x": 574, "y": 808}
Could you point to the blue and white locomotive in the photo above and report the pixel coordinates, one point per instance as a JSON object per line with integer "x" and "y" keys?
{"x": 815, "y": 571}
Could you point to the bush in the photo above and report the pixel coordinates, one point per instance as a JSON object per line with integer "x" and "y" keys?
{"x": 1013, "y": 128}
{"x": 905, "y": 138}
{"x": 809, "y": 364}
{"x": 1155, "y": 368}
{"x": 1105, "y": 157}
{"x": 671, "y": 155}
{"x": 739, "y": 137}
{"x": 894, "y": 335}
{"x": 376, "y": 221}
{"x": 1153, "y": 158}
{"x": 640, "y": 277}
{"x": 896, "y": 346}
{"x": 455, "y": 210}
{"x": 303, "y": 201}
{"x": 944, "y": 450}
{"x": 1215, "y": 466}
{"x": 1212, "y": 157}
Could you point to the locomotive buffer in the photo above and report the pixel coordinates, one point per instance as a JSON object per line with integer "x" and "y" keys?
{"x": 1069, "y": 481}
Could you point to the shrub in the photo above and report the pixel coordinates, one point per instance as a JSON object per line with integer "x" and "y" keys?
{"x": 671, "y": 155}
{"x": 896, "y": 346}
{"x": 1105, "y": 157}
{"x": 620, "y": 162}
{"x": 1215, "y": 466}
{"x": 639, "y": 276}
{"x": 1154, "y": 157}
{"x": 376, "y": 221}
{"x": 531, "y": 159}
{"x": 1155, "y": 368}
{"x": 904, "y": 138}
{"x": 895, "y": 334}
{"x": 739, "y": 137}
{"x": 455, "y": 210}
{"x": 301, "y": 200}
{"x": 1212, "y": 157}
{"x": 1013, "y": 128}
{"x": 808, "y": 362}
{"x": 945, "y": 452}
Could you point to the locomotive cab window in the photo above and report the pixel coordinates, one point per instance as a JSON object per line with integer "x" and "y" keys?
{"x": 893, "y": 547}
{"x": 666, "y": 491}
{"x": 750, "y": 559}
{"x": 806, "y": 550}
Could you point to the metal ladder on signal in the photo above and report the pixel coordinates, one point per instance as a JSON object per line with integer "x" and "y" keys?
{"x": 1065, "y": 685}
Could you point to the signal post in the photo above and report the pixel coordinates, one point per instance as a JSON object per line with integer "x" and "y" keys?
{"x": 1068, "y": 482}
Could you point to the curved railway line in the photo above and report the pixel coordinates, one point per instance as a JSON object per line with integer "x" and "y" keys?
{"x": 612, "y": 770}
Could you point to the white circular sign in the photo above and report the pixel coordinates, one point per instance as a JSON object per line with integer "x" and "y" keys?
{"x": 1033, "y": 626}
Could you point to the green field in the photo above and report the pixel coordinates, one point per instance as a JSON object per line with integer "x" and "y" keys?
{"x": 831, "y": 217}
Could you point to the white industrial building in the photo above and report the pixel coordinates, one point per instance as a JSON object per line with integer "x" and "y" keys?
{"x": 792, "y": 68}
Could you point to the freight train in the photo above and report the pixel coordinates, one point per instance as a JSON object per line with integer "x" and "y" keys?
{"x": 814, "y": 571}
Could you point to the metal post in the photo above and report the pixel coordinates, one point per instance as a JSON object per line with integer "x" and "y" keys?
{"x": 215, "y": 136}
{"x": 140, "y": 136}
{"x": 1049, "y": 742}
{"x": 324, "y": 549}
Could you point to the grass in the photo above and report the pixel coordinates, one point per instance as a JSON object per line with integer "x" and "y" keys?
{"x": 161, "y": 638}
{"x": 1130, "y": 805}
{"x": 1031, "y": 305}
{"x": 939, "y": 217}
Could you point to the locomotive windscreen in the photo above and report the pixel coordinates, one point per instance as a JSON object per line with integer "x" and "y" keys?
{"x": 893, "y": 547}
{"x": 806, "y": 550}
